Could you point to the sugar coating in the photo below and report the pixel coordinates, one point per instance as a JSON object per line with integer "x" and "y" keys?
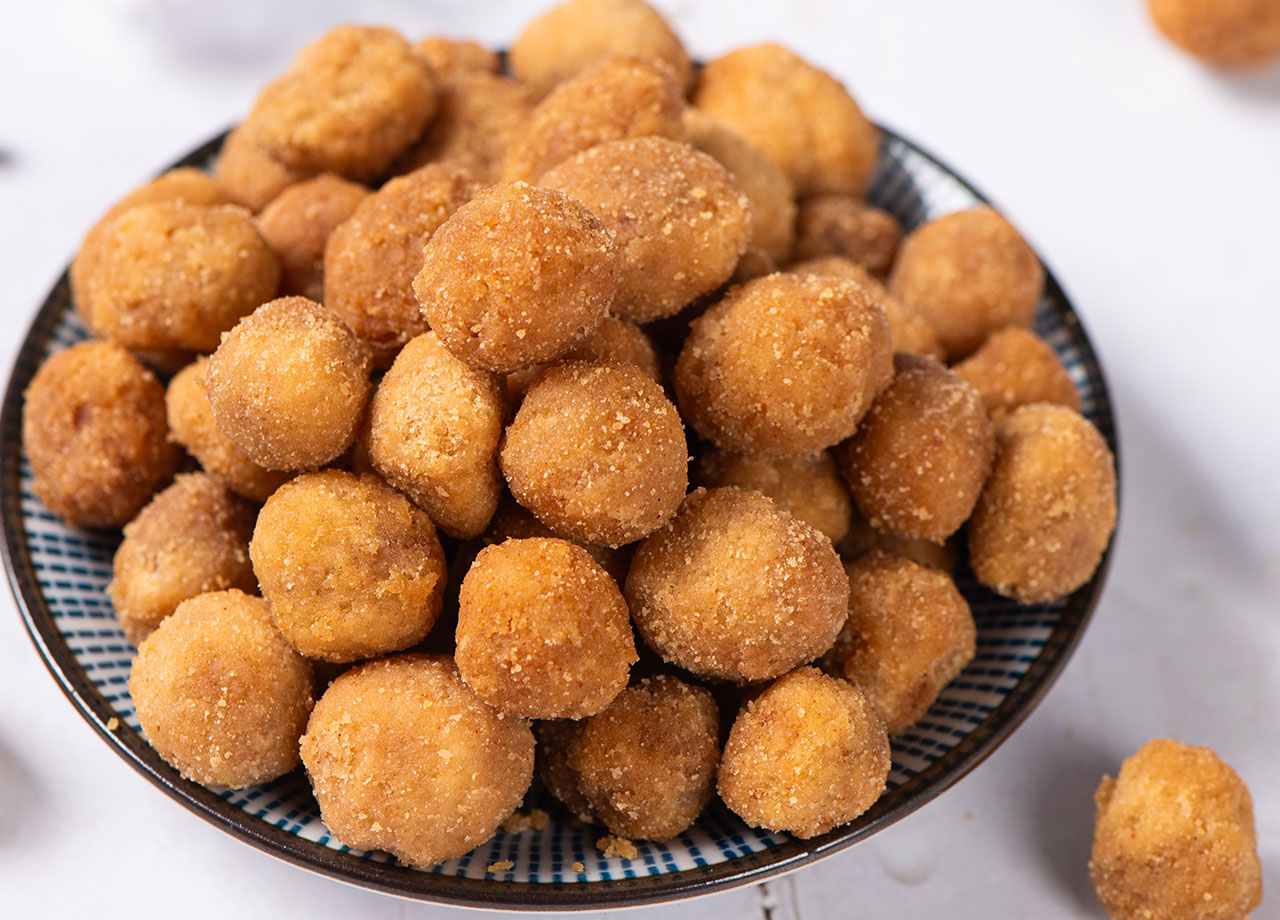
{"x": 843, "y": 225}
{"x": 736, "y": 588}
{"x": 1225, "y": 33}
{"x": 597, "y": 452}
{"x": 515, "y": 276}
{"x": 450, "y": 58}
{"x": 220, "y": 695}
{"x": 809, "y": 487}
{"x": 862, "y": 538}
{"x": 297, "y": 223}
{"x": 615, "y": 341}
{"x": 807, "y": 754}
{"x": 784, "y": 365}
{"x": 249, "y": 173}
{"x": 1015, "y": 367}
{"x": 799, "y": 115}
{"x": 513, "y": 519}
{"x": 1048, "y": 510}
{"x": 405, "y": 757}
{"x": 554, "y": 736}
{"x": 1174, "y": 838}
{"x": 94, "y": 432}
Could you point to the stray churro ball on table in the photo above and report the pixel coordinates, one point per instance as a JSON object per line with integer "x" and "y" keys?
{"x": 809, "y": 487}
{"x": 1225, "y": 33}
{"x": 221, "y": 696}
{"x": 1015, "y": 367}
{"x": 405, "y": 757}
{"x": 252, "y": 176}
{"x": 842, "y": 225}
{"x": 1174, "y": 838}
{"x": 297, "y": 223}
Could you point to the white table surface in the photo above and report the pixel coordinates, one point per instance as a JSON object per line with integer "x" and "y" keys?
{"x": 1153, "y": 188}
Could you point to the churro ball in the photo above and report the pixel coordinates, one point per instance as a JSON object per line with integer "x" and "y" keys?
{"x": 1048, "y": 509}
{"x": 736, "y": 588}
{"x": 454, "y": 57}
{"x": 597, "y": 452}
{"x": 553, "y": 768}
{"x": 251, "y": 175}
{"x": 1015, "y": 367}
{"x": 862, "y": 538}
{"x": 191, "y": 538}
{"x": 297, "y": 223}
{"x": 1225, "y": 33}
{"x": 514, "y": 520}
{"x": 371, "y": 258}
{"x": 842, "y": 225}
{"x": 405, "y": 757}
{"x": 434, "y": 427}
{"x": 921, "y": 455}
{"x": 1174, "y": 838}
{"x": 288, "y": 385}
{"x": 348, "y": 104}
{"x": 784, "y": 365}
{"x": 807, "y": 754}
{"x": 571, "y": 37}
{"x": 799, "y": 115}
{"x": 808, "y": 487}
{"x": 516, "y": 276}
{"x": 220, "y": 695}
{"x": 969, "y": 274}
{"x": 618, "y": 341}
{"x": 94, "y": 432}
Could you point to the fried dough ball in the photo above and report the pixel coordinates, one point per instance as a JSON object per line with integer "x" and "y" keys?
{"x": 405, "y": 757}
{"x": 918, "y": 462}
{"x": 784, "y": 365}
{"x": 297, "y": 223}
{"x": 597, "y": 452}
{"x": 842, "y": 225}
{"x": 807, "y": 754}
{"x": 1174, "y": 838}
{"x": 434, "y": 427}
{"x": 1015, "y": 367}
{"x": 543, "y": 630}
{"x": 516, "y": 276}
{"x": 252, "y": 176}
{"x": 554, "y": 736}
{"x": 1225, "y": 33}
{"x": 969, "y": 274}
{"x": 862, "y": 538}
{"x": 480, "y": 116}
{"x": 808, "y": 487}
{"x": 513, "y": 520}
{"x": 351, "y": 567}
{"x": 193, "y": 537}
{"x": 451, "y": 58}
{"x": 220, "y": 695}
{"x": 1048, "y": 509}
{"x": 799, "y": 115}
{"x": 94, "y": 432}
{"x": 736, "y": 588}
{"x": 615, "y": 341}
{"x": 571, "y": 37}
{"x": 288, "y": 385}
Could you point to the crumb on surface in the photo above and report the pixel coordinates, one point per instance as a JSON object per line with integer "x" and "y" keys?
{"x": 578, "y": 867}
{"x": 501, "y": 865}
{"x": 536, "y": 820}
{"x": 112, "y": 724}
{"x": 617, "y": 846}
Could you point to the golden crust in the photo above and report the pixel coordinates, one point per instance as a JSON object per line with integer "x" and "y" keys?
{"x": 252, "y": 176}
{"x": 451, "y": 58}
{"x": 808, "y": 487}
{"x": 842, "y": 225}
{"x": 1015, "y": 367}
{"x": 297, "y": 223}
{"x": 1225, "y": 33}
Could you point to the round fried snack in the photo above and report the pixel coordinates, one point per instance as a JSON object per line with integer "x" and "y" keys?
{"x": 220, "y": 695}
{"x": 842, "y": 225}
{"x": 451, "y": 58}
{"x": 736, "y": 588}
{"x": 1048, "y": 509}
{"x": 809, "y": 487}
{"x": 552, "y": 763}
{"x": 799, "y": 115}
{"x": 807, "y": 754}
{"x": 434, "y": 427}
{"x": 969, "y": 274}
{"x": 514, "y": 520}
{"x": 597, "y": 452}
{"x": 918, "y": 462}
{"x": 516, "y": 276}
{"x": 1225, "y": 33}
{"x": 351, "y": 567}
{"x": 862, "y": 538}
{"x": 1015, "y": 367}
{"x": 571, "y": 37}
{"x": 371, "y": 259}
{"x": 543, "y": 630}
{"x": 251, "y": 175}
{"x": 1174, "y": 838}
{"x": 94, "y": 432}
{"x": 350, "y": 102}
{"x": 405, "y": 757}
{"x": 784, "y": 365}
{"x": 288, "y": 385}
{"x": 297, "y": 223}
{"x": 191, "y": 538}
{"x": 615, "y": 341}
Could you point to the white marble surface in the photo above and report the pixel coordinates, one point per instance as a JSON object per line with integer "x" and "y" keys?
{"x": 1151, "y": 185}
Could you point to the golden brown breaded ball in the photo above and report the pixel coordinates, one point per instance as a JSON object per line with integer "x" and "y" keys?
{"x": 514, "y": 520}
{"x": 969, "y": 274}
{"x": 297, "y": 223}
{"x": 799, "y": 115}
{"x": 289, "y": 384}
{"x": 220, "y": 695}
{"x": 807, "y": 754}
{"x": 784, "y": 365}
{"x": 251, "y": 175}
{"x": 1015, "y": 367}
{"x": 193, "y": 537}
{"x": 349, "y": 103}
{"x": 842, "y": 225}
{"x": 921, "y": 455}
{"x": 571, "y": 37}
{"x": 434, "y": 428}
{"x": 1225, "y": 33}
{"x": 1174, "y": 838}
{"x": 450, "y": 58}
{"x": 94, "y": 432}
{"x": 543, "y": 630}
{"x": 597, "y": 452}
{"x": 809, "y": 487}
{"x": 554, "y": 736}
{"x": 862, "y": 538}
{"x": 405, "y": 757}
{"x": 1048, "y": 509}
{"x": 615, "y": 341}
{"x": 736, "y": 588}
{"x": 515, "y": 276}
{"x": 351, "y": 567}
{"x": 680, "y": 220}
